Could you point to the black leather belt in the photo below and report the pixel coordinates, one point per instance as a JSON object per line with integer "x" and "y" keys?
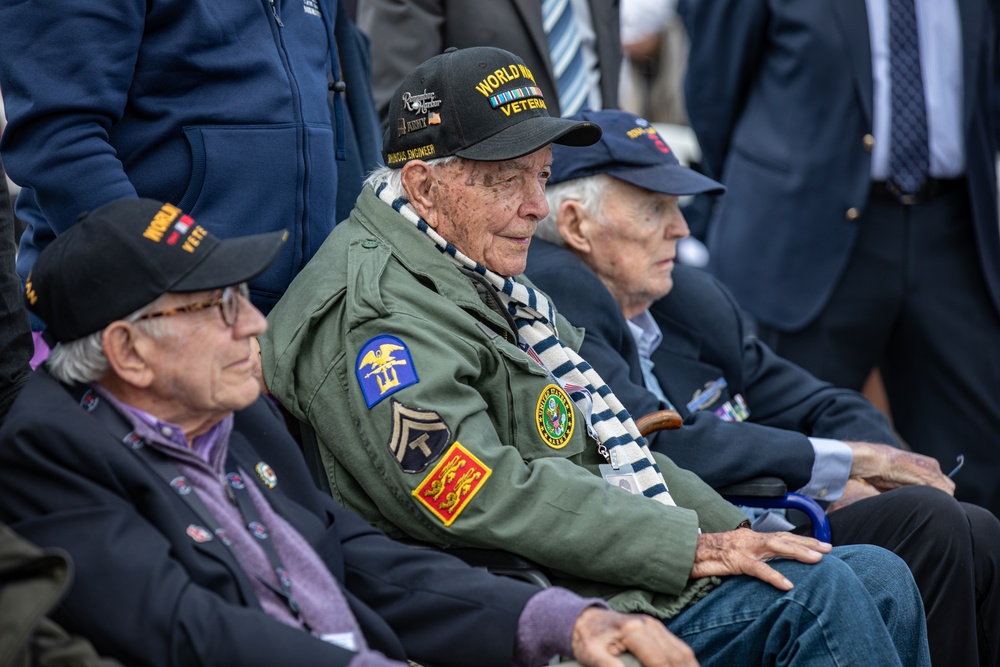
{"x": 931, "y": 189}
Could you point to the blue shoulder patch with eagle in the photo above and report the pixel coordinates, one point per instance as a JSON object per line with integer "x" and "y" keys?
{"x": 384, "y": 366}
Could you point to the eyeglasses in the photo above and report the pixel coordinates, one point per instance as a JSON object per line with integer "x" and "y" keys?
{"x": 228, "y": 303}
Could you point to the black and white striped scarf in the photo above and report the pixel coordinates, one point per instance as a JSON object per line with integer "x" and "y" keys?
{"x": 610, "y": 423}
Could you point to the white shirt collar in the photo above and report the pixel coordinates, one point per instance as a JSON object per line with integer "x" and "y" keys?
{"x": 646, "y": 333}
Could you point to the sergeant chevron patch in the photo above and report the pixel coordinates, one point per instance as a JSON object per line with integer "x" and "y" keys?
{"x": 417, "y": 438}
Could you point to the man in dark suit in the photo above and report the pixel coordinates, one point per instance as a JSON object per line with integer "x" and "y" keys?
{"x": 406, "y": 33}
{"x": 860, "y": 227}
{"x": 666, "y": 336}
{"x": 146, "y": 452}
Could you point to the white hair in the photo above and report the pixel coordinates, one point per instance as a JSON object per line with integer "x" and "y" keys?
{"x": 589, "y": 191}
{"x": 83, "y": 360}
{"x": 392, "y": 177}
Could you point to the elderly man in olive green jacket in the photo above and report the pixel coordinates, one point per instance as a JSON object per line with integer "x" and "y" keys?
{"x": 450, "y": 405}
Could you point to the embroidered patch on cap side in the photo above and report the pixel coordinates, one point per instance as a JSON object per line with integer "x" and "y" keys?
{"x": 420, "y": 103}
{"x": 554, "y": 416}
{"x": 418, "y": 437}
{"x": 384, "y": 366}
{"x": 453, "y": 482}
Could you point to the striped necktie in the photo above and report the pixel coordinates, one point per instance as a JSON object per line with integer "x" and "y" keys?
{"x": 908, "y": 161}
{"x": 566, "y": 54}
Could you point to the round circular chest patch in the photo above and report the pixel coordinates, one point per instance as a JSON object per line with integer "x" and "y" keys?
{"x": 266, "y": 474}
{"x": 554, "y": 417}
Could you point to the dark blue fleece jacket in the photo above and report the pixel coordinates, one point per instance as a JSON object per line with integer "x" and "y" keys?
{"x": 222, "y": 108}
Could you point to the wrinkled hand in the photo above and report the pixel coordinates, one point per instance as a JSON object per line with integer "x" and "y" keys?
{"x": 855, "y": 490}
{"x": 258, "y": 368}
{"x": 742, "y": 551}
{"x": 886, "y": 468}
{"x": 600, "y": 635}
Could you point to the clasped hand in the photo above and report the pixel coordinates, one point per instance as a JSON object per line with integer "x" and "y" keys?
{"x": 886, "y": 468}
{"x": 600, "y": 636}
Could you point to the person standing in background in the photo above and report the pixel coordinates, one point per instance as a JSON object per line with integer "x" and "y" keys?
{"x": 259, "y": 114}
{"x": 860, "y": 226}
{"x": 654, "y": 43}
{"x": 583, "y": 35}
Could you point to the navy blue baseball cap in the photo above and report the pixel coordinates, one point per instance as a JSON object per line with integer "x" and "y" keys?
{"x": 630, "y": 149}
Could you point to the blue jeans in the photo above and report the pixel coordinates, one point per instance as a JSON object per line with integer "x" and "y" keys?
{"x": 858, "y": 606}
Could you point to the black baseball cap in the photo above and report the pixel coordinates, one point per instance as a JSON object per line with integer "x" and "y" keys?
{"x": 633, "y": 151}
{"x": 480, "y": 103}
{"x": 128, "y": 253}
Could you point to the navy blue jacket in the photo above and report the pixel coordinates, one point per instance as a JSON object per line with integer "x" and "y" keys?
{"x": 780, "y": 94}
{"x": 220, "y": 108}
{"x": 703, "y": 340}
{"x": 148, "y": 594}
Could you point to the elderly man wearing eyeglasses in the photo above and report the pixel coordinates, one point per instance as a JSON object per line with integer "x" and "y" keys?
{"x": 144, "y": 450}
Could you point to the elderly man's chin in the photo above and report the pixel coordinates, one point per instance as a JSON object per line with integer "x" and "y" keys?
{"x": 244, "y": 384}
{"x": 250, "y": 391}
{"x": 512, "y": 258}
{"x": 233, "y": 399}
{"x": 663, "y": 283}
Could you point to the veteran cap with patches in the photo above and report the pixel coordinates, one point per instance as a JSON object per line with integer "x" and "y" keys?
{"x": 480, "y": 103}
{"x": 631, "y": 150}
{"x": 125, "y": 255}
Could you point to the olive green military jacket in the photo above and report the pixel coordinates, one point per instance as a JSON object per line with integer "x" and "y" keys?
{"x": 32, "y": 582}
{"x": 433, "y": 423}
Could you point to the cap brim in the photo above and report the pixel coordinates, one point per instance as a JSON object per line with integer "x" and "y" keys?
{"x": 530, "y": 135}
{"x": 232, "y": 261}
{"x": 671, "y": 179}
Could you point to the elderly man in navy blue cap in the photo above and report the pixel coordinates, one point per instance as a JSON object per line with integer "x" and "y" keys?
{"x": 670, "y": 336}
{"x": 449, "y": 402}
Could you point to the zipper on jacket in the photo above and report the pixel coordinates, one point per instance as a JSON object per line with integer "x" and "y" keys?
{"x": 274, "y": 10}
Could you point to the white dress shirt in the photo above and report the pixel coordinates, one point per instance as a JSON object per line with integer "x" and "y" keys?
{"x": 940, "y": 37}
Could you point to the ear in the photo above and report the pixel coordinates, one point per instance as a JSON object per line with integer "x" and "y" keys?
{"x": 418, "y": 183}
{"x": 127, "y": 353}
{"x": 576, "y": 226}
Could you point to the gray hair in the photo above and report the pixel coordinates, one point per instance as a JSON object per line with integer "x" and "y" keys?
{"x": 392, "y": 177}
{"x": 589, "y": 191}
{"x": 83, "y": 360}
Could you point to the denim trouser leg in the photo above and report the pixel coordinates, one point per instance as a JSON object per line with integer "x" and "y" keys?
{"x": 858, "y": 606}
